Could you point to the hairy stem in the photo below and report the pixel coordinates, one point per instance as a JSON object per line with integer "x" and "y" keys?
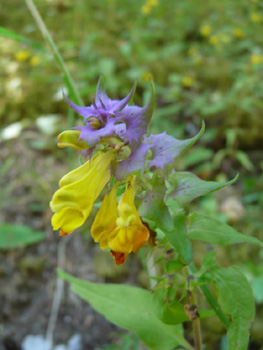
{"x": 211, "y": 300}
{"x": 197, "y": 334}
{"x": 195, "y": 320}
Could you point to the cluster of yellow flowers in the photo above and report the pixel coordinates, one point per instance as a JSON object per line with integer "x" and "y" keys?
{"x": 117, "y": 227}
{"x": 256, "y": 58}
{"x": 205, "y": 30}
{"x": 25, "y": 55}
{"x": 187, "y": 81}
{"x": 238, "y": 33}
{"x": 221, "y": 38}
{"x": 197, "y": 58}
{"x": 148, "y": 6}
{"x": 256, "y": 17}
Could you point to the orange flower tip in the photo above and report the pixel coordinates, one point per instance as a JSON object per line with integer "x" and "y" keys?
{"x": 63, "y": 233}
{"x": 119, "y": 258}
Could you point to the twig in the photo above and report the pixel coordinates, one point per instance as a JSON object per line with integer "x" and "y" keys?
{"x": 58, "y": 293}
{"x": 151, "y": 267}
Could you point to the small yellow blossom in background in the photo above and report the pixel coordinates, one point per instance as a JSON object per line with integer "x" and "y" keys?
{"x": 149, "y": 4}
{"x": 153, "y": 3}
{"x": 198, "y": 60}
{"x": 192, "y": 51}
{"x": 187, "y": 81}
{"x": 35, "y": 61}
{"x": 146, "y": 9}
{"x": 255, "y": 1}
{"x": 22, "y": 55}
{"x": 147, "y": 76}
{"x": 255, "y": 17}
{"x": 205, "y": 30}
{"x": 238, "y": 33}
{"x": 256, "y": 59}
{"x": 214, "y": 40}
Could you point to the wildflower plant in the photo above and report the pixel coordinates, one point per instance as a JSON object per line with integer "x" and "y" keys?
{"x": 144, "y": 205}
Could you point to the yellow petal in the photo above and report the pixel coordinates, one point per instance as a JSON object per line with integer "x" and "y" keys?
{"x": 130, "y": 234}
{"x": 70, "y": 138}
{"x": 105, "y": 220}
{"x": 77, "y": 174}
{"x": 129, "y": 239}
{"x": 73, "y": 202}
{"x": 120, "y": 228}
{"x": 68, "y": 218}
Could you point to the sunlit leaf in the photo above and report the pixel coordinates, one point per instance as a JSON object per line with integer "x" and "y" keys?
{"x": 185, "y": 186}
{"x": 236, "y": 300}
{"x": 207, "y": 229}
{"x": 130, "y": 308}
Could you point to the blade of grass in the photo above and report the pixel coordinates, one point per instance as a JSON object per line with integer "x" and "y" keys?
{"x": 42, "y": 27}
{"x": 9, "y": 34}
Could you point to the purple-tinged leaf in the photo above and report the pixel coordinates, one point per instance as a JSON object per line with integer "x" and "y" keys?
{"x": 166, "y": 148}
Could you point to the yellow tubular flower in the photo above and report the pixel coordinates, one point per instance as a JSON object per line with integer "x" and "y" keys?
{"x": 70, "y": 138}
{"x": 79, "y": 189}
{"x": 119, "y": 228}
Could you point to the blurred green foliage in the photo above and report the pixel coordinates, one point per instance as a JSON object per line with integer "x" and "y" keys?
{"x": 206, "y": 60}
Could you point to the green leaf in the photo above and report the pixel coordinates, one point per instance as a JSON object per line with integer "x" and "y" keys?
{"x": 179, "y": 239}
{"x": 173, "y": 265}
{"x": 242, "y": 157}
{"x": 131, "y": 308}
{"x": 172, "y": 312}
{"x": 15, "y": 236}
{"x": 9, "y": 34}
{"x": 152, "y": 206}
{"x": 186, "y": 186}
{"x": 207, "y": 229}
{"x": 236, "y": 300}
{"x": 196, "y": 156}
{"x": 210, "y": 298}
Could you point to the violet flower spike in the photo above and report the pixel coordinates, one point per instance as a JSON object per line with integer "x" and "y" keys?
{"x": 100, "y": 118}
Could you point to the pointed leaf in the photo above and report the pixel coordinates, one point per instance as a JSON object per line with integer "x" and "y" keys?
{"x": 186, "y": 186}
{"x": 207, "y": 229}
{"x": 236, "y": 300}
{"x": 130, "y": 308}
